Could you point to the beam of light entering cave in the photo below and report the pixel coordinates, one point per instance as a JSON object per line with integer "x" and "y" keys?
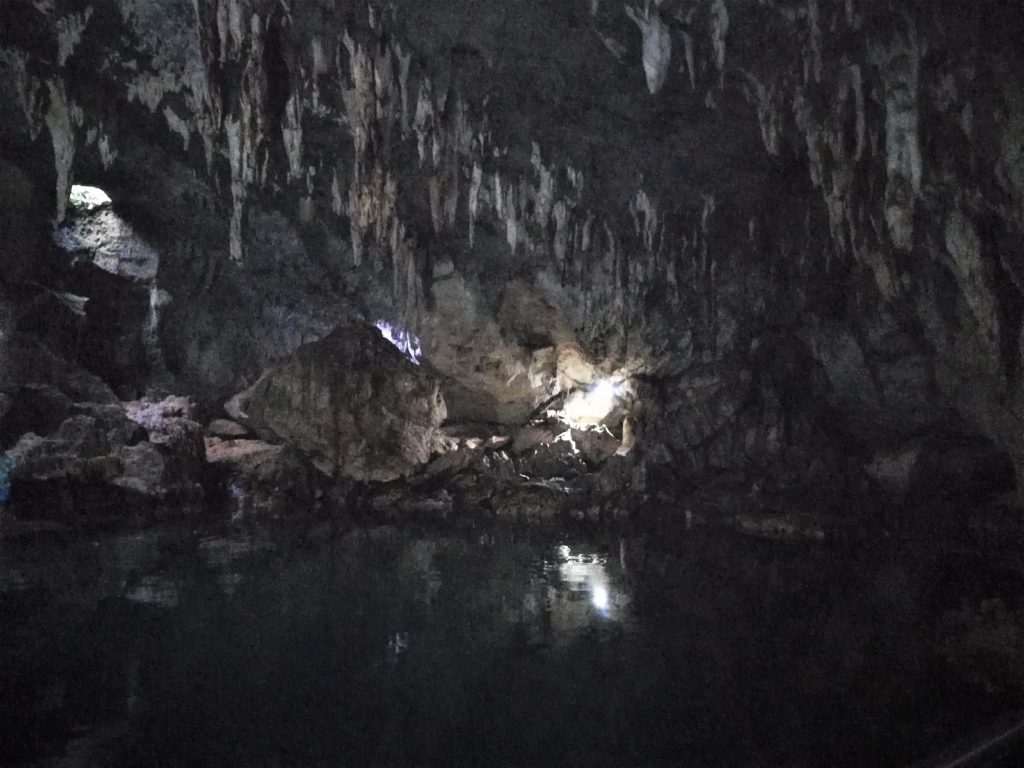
{"x": 406, "y": 343}
{"x": 589, "y": 408}
{"x": 88, "y": 199}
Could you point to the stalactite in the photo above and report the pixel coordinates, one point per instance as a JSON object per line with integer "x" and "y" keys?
{"x": 968, "y": 265}
{"x": 645, "y": 219}
{"x": 107, "y": 153}
{"x": 577, "y": 180}
{"x": 291, "y": 130}
{"x": 561, "y": 240}
{"x": 233, "y": 131}
{"x": 657, "y": 51}
{"x": 337, "y": 201}
{"x": 719, "y": 23}
{"x": 586, "y": 236}
{"x": 832, "y": 165}
{"x": 690, "y": 61}
{"x": 244, "y": 133}
{"x": 899, "y": 65}
{"x": 510, "y": 208}
{"x": 404, "y": 62}
{"x": 233, "y": 22}
{"x": 615, "y": 48}
{"x": 545, "y": 192}
{"x": 857, "y": 82}
{"x": 814, "y": 35}
{"x": 69, "y": 33}
{"x": 424, "y": 120}
{"x": 768, "y": 102}
{"x": 179, "y": 126}
{"x": 321, "y": 60}
{"x": 499, "y": 197}
{"x": 383, "y": 92}
{"x": 307, "y": 207}
{"x": 62, "y": 136}
{"x": 435, "y": 192}
{"x": 407, "y": 287}
{"x": 358, "y": 97}
{"x": 206, "y": 106}
{"x": 474, "y": 201}
{"x": 373, "y": 189}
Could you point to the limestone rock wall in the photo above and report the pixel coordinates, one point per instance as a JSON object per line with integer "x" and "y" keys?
{"x": 730, "y": 201}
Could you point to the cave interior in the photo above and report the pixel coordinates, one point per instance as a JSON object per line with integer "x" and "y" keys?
{"x": 626, "y": 316}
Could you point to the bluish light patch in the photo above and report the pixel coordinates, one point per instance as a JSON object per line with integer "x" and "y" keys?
{"x": 406, "y": 343}
{"x": 605, "y": 389}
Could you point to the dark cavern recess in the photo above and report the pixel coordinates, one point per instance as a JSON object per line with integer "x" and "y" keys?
{"x": 683, "y": 309}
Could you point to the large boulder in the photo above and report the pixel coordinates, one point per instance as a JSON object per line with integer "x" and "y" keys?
{"x": 352, "y": 402}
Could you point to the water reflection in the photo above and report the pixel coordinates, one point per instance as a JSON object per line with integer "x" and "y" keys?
{"x": 586, "y": 587}
{"x": 387, "y": 648}
{"x": 154, "y": 590}
{"x": 599, "y": 597}
{"x": 229, "y": 558}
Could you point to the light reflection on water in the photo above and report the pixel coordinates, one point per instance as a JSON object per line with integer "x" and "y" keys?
{"x": 155, "y": 591}
{"x": 448, "y": 649}
{"x": 585, "y": 588}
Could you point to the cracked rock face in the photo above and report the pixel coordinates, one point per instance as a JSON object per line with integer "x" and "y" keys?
{"x": 746, "y": 200}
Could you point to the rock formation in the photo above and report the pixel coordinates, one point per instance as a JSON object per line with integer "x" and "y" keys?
{"x": 797, "y": 237}
{"x": 352, "y": 403}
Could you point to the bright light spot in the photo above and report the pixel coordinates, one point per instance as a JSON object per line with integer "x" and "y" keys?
{"x": 405, "y": 342}
{"x": 599, "y": 597}
{"x": 88, "y": 199}
{"x": 586, "y": 575}
{"x": 605, "y": 389}
{"x": 590, "y": 408}
{"x": 566, "y": 437}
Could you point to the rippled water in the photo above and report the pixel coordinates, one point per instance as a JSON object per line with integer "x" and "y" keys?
{"x": 393, "y": 647}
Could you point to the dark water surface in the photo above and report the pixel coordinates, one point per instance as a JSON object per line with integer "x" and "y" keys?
{"x": 499, "y": 648}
